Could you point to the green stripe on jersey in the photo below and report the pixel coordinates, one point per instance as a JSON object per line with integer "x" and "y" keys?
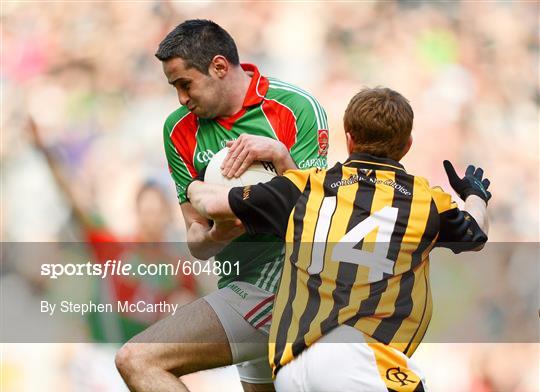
{"x": 320, "y": 114}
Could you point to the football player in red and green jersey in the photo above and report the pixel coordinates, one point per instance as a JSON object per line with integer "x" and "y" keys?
{"x": 224, "y": 103}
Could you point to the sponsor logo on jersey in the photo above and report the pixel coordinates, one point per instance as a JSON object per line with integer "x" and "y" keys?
{"x": 353, "y": 179}
{"x": 323, "y": 142}
{"x": 313, "y": 162}
{"x": 204, "y": 156}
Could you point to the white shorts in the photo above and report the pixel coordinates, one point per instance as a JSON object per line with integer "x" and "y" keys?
{"x": 245, "y": 311}
{"x": 328, "y": 366}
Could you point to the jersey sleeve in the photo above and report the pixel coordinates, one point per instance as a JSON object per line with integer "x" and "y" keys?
{"x": 310, "y": 148}
{"x": 458, "y": 230}
{"x": 265, "y": 208}
{"x": 443, "y": 201}
{"x": 178, "y": 167}
{"x": 302, "y": 125}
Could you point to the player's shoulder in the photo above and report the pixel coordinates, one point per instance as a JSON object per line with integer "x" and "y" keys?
{"x": 420, "y": 181}
{"x": 424, "y": 183}
{"x": 292, "y": 96}
{"x": 443, "y": 200}
{"x": 175, "y": 117}
{"x": 300, "y": 177}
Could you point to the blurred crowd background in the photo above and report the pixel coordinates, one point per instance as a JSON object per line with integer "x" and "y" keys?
{"x": 87, "y": 75}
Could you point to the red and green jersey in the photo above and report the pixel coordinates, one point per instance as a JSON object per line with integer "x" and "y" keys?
{"x": 271, "y": 108}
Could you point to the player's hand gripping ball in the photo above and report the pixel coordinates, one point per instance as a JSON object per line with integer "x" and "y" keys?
{"x": 257, "y": 172}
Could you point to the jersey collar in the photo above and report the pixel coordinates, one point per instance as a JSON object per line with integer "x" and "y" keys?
{"x": 363, "y": 160}
{"x": 255, "y": 94}
{"x": 257, "y": 88}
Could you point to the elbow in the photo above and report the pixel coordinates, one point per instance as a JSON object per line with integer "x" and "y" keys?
{"x": 480, "y": 240}
{"x": 479, "y": 247}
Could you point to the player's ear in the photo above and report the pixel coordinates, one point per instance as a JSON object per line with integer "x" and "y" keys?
{"x": 350, "y": 143}
{"x": 407, "y": 146}
{"x": 219, "y": 66}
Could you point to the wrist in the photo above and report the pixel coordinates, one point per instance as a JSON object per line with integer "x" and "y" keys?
{"x": 465, "y": 194}
{"x": 475, "y": 199}
{"x": 282, "y": 159}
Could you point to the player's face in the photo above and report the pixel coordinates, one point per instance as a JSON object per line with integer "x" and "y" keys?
{"x": 200, "y": 93}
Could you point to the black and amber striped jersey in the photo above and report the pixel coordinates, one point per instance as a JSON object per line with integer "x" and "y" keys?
{"x": 357, "y": 238}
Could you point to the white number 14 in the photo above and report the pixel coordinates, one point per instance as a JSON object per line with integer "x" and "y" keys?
{"x": 384, "y": 220}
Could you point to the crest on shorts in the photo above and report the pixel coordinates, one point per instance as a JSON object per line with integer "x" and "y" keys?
{"x": 397, "y": 375}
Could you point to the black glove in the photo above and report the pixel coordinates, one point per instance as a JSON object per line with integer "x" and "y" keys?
{"x": 471, "y": 184}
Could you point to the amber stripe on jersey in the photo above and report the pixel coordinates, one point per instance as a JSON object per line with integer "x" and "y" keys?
{"x": 386, "y": 297}
{"x": 321, "y": 245}
{"x": 288, "y": 278}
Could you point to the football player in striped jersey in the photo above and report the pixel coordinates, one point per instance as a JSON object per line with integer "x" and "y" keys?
{"x": 354, "y": 299}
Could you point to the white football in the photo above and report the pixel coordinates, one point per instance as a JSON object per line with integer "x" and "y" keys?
{"x": 257, "y": 172}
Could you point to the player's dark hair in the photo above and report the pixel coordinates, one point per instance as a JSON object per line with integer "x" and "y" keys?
{"x": 379, "y": 121}
{"x": 197, "y": 42}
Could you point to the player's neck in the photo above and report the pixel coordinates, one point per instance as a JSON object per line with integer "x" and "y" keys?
{"x": 239, "y": 84}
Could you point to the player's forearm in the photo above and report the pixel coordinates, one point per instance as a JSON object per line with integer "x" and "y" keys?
{"x": 477, "y": 208}
{"x": 211, "y": 201}
{"x": 282, "y": 160}
{"x": 200, "y": 243}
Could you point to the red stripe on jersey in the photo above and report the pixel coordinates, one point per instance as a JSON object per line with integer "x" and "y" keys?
{"x": 184, "y": 139}
{"x": 282, "y": 120}
{"x": 260, "y": 305}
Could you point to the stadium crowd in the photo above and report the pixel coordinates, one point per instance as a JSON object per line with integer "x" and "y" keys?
{"x": 86, "y": 73}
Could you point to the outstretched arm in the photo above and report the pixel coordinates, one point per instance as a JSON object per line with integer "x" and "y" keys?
{"x": 473, "y": 190}
{"x": 462, "y": 230}
{"x": 82, "y": 217}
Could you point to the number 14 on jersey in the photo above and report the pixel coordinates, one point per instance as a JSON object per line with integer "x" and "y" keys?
{"x": 344, "y": 251}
